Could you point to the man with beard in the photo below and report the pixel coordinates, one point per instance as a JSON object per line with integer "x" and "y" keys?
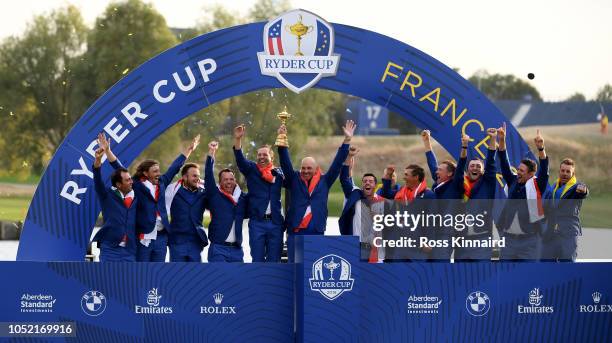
{"x": 360, "y": 206}
{"x": 413, "y": 197}
{"x": 309, "y": 188}
{"x": 448, "y": 188}
{"x": 479, "y": 189}
{"x": 264, "y": 206}
{"x": 151, "y": 216}
{"x": 228, "y": 208}
{"x": 563, "y": 204}
{"x": 521, "y": 219}
{"x": 117, "y": 237}
{"x": 186, "y": 202}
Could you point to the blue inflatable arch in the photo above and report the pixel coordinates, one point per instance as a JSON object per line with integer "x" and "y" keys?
{"x": 223, "y": 64}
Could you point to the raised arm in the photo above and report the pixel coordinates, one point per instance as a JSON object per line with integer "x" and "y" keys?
{"x": 489, "y": 167}
{"x": 194, "y": 144}
{"x": 458, "y": 177}
{"x": 507, "y": 173}
{"x": 97, "y": 175}
{"x": 174, "y": 169}
{"x": 346, "y": 179}
{"x": 387, "y": 192}
{"x": 432, "y": 161}
{"x": 105, "y": 145}
{"x": 243, "y": 164}
{"x": 209, "y": 169}
{"x": 343, "y": 151}
{"x": 285, "y": 159}
{"x": 543, "y": 172}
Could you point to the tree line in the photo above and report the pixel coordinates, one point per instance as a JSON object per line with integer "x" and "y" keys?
{"x": 57, "y": 68}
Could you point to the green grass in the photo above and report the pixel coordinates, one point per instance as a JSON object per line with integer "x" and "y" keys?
{"x": 14, "y": 208}
{"x": 30, "y": 179}
{"x": 596, "y": 211}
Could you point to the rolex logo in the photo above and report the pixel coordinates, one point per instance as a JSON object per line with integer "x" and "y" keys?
{"x": 216, "y": 309}
{"x": 218, "y": 298}
{"x": 596, "y": 297}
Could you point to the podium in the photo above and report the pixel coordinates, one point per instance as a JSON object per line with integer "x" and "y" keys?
{"x": 328, "y": 295}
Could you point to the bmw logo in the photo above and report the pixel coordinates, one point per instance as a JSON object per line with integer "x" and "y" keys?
{"x": 478, "y": 303}
{"x": 93, "y": 303}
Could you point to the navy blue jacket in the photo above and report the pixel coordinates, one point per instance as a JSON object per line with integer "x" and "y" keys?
{"x": 485, "y": 187}
{"x": 301, "y": 199}
{"x": 563, "y": 215}
{"x": 483, "y": 193}
{"x": 261, "y": 192}
{"x": 223, "y": 212}
{"x": 389, "y": 192}
{"x": 187, "y": 211}
{"x": 393, "y": 189}
{"x": 422, "y": 202}
{"x": 516, "y": 191}
{"x": 351, "y": 195}
{"x": 118, "y": 220}
{"x": 453, "y": 188}
{"x": 147, "y": 206}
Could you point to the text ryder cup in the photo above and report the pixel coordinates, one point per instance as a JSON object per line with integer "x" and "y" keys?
{"x": 330, "y": 284}
{"x": 298, "y": 64}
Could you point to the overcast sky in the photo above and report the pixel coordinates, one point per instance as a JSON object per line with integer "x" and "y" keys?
{"x": 566, "y": 44}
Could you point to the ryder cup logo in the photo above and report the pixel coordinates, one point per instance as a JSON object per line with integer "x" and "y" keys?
{"x": 93, "y": 303}
{"x": 329, "y": 282}
{"x": 298, "y": 50}
{"x": 478, "y": 303}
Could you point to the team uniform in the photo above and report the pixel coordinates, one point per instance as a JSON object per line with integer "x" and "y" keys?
{"x": 264, "y": 207}
{"x": 186, "y": 237}
{"x": 562, "y": 207}
{"x": 522, "y": 216}
{"x": 307, "y": 212}
{"x": 412, "y": 201}
{"x": 117, "y": 237}
{"x": 481, "y": 192}
{"x": 452, "y": 189}
{"x": 357, "y": 217}
{"x": 227, "y": 212}
{"x": 151, "y": 216}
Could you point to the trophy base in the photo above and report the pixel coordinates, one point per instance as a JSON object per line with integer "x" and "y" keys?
{"x": 282, "y": 140}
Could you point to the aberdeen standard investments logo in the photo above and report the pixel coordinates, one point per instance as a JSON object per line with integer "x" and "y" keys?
{"x": 478, "y": 303}
{"x": 327, "y": 281}
{"x": 37, "y": 302}
{"x": 298, "y": 50}
{"x": 426, "y": 304}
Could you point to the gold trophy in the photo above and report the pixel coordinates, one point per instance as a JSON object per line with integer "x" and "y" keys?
{"x": 281, "y": 139}
{"x": 298, "y": 29}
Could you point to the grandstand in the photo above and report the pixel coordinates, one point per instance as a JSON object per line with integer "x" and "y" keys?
{"x": 529, "y": 113}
